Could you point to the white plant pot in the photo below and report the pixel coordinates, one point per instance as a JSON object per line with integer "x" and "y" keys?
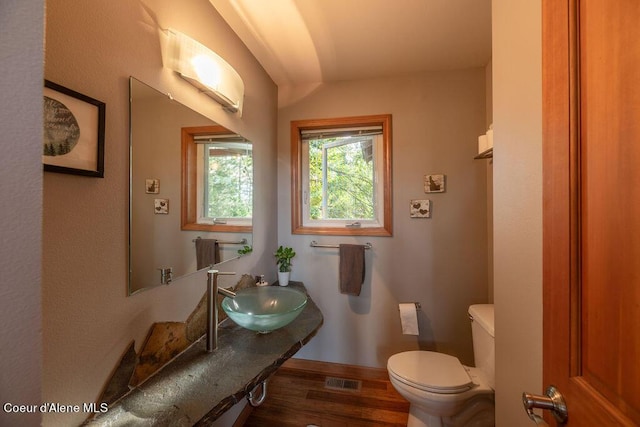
{"x": 283, "y": 278}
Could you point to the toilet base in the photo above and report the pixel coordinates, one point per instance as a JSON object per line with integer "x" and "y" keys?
{"x": 478, "y": 412}
{"x": 420, "y": 418}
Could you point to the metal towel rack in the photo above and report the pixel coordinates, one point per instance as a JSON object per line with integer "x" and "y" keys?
{"x": 315, "y": 244}
{"x": 222, "y": 242}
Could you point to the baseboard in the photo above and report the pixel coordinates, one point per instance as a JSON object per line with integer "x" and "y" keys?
{"x": 336, "y": 369}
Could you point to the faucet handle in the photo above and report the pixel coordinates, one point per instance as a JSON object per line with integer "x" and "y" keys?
{"x": 227, "y": 292}
{"x": 166, "y": 275}
{"x": 222, "y": 273}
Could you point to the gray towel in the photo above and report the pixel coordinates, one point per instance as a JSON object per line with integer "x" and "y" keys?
{"x": 207, "y": 252}
{"x": 351, "y": 269}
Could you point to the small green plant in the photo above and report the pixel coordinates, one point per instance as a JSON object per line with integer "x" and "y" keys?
{"x": 283, "y": 258}
{"x": 245, "y": 250}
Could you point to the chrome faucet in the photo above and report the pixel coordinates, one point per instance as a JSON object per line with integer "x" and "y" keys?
{"x": 166, "y": 275}
{"x": 212, "y": 306}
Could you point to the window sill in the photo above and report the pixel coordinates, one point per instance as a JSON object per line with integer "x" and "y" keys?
{"x": 343, "y": 231}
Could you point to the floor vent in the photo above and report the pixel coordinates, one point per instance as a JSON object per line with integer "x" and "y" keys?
{"x": 342, "y": 384}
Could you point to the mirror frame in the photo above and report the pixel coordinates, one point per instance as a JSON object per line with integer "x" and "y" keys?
{"x": 189, "y": 202}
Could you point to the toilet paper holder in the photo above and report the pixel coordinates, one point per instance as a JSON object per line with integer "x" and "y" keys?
{"x": 417, "y": 304}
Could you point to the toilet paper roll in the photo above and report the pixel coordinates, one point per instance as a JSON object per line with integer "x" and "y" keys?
{"x": 409, "y": 318}
{"x": 490, "y": 138}
{"x": 483, "y": 144}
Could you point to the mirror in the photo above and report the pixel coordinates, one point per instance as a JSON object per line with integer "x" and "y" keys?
{"x": 170, "y": 213}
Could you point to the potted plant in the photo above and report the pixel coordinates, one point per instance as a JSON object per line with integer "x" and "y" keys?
{"x": 245, "y": 250}
{"x": 283, "y": 260}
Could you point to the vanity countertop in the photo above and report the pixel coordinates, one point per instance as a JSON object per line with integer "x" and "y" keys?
{"x": 197, "y": 387}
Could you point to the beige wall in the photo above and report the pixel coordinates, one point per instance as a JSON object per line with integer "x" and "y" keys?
{"x": 517, "y": 195}
{"x": 93, "y": 48}
{"x": 489, "y": 101}
{"x": 21, "y": 209}
{"x": 440, "y": 262}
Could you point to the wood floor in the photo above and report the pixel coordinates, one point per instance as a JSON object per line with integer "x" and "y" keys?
{"x": 297, "y": 397}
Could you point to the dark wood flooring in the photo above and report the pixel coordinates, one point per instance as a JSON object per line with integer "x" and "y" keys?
{"x": 297, "y": 397}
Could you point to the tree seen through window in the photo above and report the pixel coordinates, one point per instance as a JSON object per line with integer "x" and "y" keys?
{"x": 229, "y": 182}
{"x": 341, "y": 178}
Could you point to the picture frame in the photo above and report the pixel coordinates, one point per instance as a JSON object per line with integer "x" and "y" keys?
{"x": 161, "y": 206}
{"x": 73, "y": 132}
{"x": 434, "y": 183}
{"x": 152, "y": 186}
{"x": 420, "y": 208}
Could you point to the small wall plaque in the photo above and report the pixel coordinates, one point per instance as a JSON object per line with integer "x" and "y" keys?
{"x": 434, "y": 184}
{"x": 420, "y": 209}
{"x": 161, "y": 206}
{"x": 152, "y": 186}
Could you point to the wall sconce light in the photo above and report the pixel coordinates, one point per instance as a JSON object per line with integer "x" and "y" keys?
{"x": 206, "y": 70}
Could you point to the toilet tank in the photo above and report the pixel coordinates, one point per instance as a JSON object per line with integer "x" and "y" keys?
{"x": 481, "y": 316}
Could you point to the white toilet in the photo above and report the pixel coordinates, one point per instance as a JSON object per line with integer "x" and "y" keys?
{"x": 441, "y": 391}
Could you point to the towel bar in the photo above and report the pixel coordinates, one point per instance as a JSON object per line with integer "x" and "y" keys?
{"x": 222, "y": 242}
{"x": 315, "y": 244}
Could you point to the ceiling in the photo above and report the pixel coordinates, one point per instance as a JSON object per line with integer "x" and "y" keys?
{"x": 308, "y": 42}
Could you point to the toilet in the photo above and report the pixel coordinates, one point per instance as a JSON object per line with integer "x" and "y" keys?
{"x": 441, "y": 391}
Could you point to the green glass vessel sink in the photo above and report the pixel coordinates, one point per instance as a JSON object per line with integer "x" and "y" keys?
{"x": 265, "y": 309}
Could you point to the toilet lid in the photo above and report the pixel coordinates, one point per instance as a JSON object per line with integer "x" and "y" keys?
{"x": 430, "y": 371}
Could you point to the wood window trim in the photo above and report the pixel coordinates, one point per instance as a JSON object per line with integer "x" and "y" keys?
{"x": 189, "y": 193}
{"x": 297, "y": 126}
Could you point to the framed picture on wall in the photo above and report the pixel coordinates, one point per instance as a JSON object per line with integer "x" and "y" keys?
{"x": 73, "y": 134}
{"x": 161, "y": 206}
{"x": 434, "y": 183}
{"x": 420, "y": 209}
{"x": 152, "y": 186}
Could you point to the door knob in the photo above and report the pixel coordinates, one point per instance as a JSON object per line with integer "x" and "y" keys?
{"x": 552, "y": 400}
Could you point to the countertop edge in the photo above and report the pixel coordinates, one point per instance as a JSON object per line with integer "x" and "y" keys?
{"x": 196, "y": 383}
{"x": 223, "y": 406}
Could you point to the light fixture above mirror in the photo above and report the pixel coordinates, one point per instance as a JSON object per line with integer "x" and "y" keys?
{"x": 205, "y": 70}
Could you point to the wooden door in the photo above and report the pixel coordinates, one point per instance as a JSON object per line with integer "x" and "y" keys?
{"x": 591, "y": 132}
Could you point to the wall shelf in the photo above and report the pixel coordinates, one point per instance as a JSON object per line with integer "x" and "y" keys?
{"x": 486, "y": 154}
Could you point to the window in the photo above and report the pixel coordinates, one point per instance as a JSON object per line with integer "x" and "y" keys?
{"x": 341, "y": 176}
{"x": 227, "y": 181}
{"x": 217, "y": 180}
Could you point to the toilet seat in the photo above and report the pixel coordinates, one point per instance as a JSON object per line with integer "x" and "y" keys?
{"x": 430, "y": 371}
